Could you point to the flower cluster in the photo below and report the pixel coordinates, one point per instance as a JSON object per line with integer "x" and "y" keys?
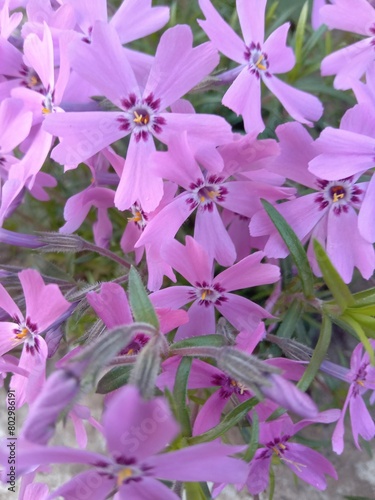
{"x": 226, "y": 223}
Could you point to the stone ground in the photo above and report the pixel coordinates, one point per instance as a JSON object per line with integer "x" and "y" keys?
{"x": 356, "y": 469}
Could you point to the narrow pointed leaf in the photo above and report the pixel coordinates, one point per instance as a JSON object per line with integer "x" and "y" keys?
{"x": 139, "y": 302}
{"x": 288, "y": 325}
{"x": 254, "y": 440}
{"x": 300, "y": 34}
{"x": 180, "y": 395}
{"x": 114, "y": 379}
{"x": 295, "y": 247}
{"x": 230, "y": 420}
{"x": 361, "y": 335}
{"x": 337, "y": 287}
{"x": 364, "y": 298}
{"x": 318, "y": 356}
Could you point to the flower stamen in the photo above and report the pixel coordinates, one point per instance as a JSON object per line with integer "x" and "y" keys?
{"x": 123, "y": 475}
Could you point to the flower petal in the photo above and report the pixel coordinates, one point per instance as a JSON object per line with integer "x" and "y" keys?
{"x": 302, "y": 106}
{"x": 243, "y": 97}
{"x": 145, "y": 427}
{"x": 220, "y": 33}
{"x": 280, "y": 57}
{"x": 177, "y": 66}
{"x": 251, "y": 14}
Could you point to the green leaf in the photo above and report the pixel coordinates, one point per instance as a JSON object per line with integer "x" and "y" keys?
{"x": 361, "y": 335}
{"x": 114, "y": 379}
{"x": 318, "y": 356}
{"x": 356, "y": 498}
{"x": 230, "y": 420}
{"x": 366, "y": 322}
{"x": 200, "y": 341}
{"x": 295, "y": 247}
{"x": 300, "y": 34}
{"x": 288, "y": 325}
{"x": 253, "y": 445}
{"x": 315, "y": 37}
{"x": 364, "y": 298}
{"x": 180, "y": 395}
{"x": 139, "y": 302}
{"x": 194, "y": 491}
{"x": 337, "y": 287}
{"x": 368, "y": 310}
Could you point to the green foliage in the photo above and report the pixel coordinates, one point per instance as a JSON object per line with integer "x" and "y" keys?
{"x": 140, "y": 304}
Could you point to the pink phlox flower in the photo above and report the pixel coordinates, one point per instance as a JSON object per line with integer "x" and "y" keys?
{"x": 136, "y": 224}
{"x": 204, "y": 192}
{"x": 15, "y": 125}
{"x": 44, "y": 305}
{"x": 349, "y": 151}
{"x": 365, "y": 92}
{"x": 9, "y": 364}
{"x": 361, "y": 378}
{"x": 41, "y": 96}
{"x": 315, "y": 13}
{"x": 350, "y": 63}
{"x": 177, "y": 67}
{"x": 307, "y": 464}
{"x": 59, "y": 18}
{"x": 132, "y": 20}
{"x": 8, "y": 23}
{"x": 134, "y": 462}
{"x": 322, "y": 214}
{"x": 78, "y": 206}
{"x": 208, "y": 293}
{"x": 259, "y": 61}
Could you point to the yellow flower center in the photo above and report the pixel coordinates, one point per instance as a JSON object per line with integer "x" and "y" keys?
{"x": 123, "y": 475}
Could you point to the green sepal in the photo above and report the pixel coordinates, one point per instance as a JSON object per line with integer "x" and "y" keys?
{"x": 333, "y": 280}
{"x": 230, "y": 420}
{"x": 114, "y": 379}
{"x": 213, "y": 340}
{"x": 318, "y": 356}
{"x": 295, "y": 248}
{"x": 140, "y": 304}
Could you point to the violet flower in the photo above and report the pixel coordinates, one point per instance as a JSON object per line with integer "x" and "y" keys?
{"x": 177, "y": 67}
{"x": 325, "y": 213}
{"x": 349, "y": 152}
{"x": 134, "y": 463}
{"x": 45, "y": 304}
{"x": 259, "y": 61}
{"x": 205, "y": 193}
{"x": 350, "y": 63}
{"x": 361, "y": 378}
{"x": 307, "y": 464}
{"x": 207, "y": 292}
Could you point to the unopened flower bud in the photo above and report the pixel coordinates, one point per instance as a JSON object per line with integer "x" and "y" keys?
{"x": 58, "y": 394}
{"x": 59, "y": 242}
{"x": 147, "y": 367}
{"x": 245, "y": 368}
{"x": 19, "y": 239}
{"x": 291, "y": 348}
